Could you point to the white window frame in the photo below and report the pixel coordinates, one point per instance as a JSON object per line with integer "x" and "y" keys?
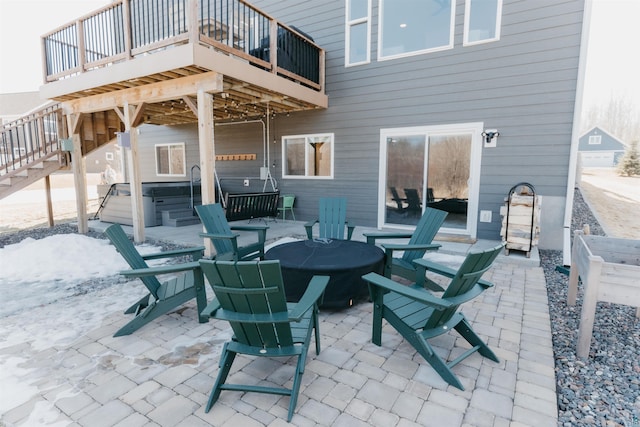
{"x": 467, "y": 20}
{"x": 184, "y": 158}
{"x": 417, "y": 52}
{"x": 473, "y": 128}
{"x": 348, "y": 26}
{"x": 595, "y": 139}
{"x": 331, "y": 137}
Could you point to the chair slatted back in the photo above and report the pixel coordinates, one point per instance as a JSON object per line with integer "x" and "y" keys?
{"x": 471, "y": 270}
{"x": 215, "y": 222}
{"x": 252, "y": 294}
{"x": 332, "y": 217}
{"x": 414, "y": 201}
{"x": 425, "y": 232}
{"x": 287, "y": 201}
{"x": 125, "y": 247}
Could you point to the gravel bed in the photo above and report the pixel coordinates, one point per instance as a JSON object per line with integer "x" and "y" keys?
{"x": 603, "y": 390}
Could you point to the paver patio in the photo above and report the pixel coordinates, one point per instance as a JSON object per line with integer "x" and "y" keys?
{"x": 162, "y": 374}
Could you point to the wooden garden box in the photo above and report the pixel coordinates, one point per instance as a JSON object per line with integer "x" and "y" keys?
{"x": 610, "y": 272}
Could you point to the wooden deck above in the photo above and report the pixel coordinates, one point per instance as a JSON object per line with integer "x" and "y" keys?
{"x": 160, "y": 64}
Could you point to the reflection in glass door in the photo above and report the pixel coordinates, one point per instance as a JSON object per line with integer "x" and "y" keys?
{"x": 434, "y": 167}
{"x": 448, "y": 177}
{"x": 405, "y": 177}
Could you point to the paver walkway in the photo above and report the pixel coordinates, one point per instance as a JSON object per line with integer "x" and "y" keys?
{"x": 162, "y": 374}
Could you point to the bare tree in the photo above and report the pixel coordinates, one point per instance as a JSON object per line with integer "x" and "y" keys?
{"x": 620, "y": 116}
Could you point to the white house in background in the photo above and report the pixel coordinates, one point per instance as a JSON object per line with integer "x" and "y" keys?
{"x": 600, "y": 149}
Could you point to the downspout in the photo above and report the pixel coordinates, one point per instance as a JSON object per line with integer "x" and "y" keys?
{"x": 577, "y": 114}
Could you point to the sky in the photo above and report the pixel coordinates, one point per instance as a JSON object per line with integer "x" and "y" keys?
{"x": 612, "y": 68}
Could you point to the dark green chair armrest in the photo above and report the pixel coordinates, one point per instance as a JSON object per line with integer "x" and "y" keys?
{"x": 250, "y": 227}
{"x": 314, "y": 292}
{"x": 372, "y": 237}
{"x": 163, "y": 269}
{"x": 195, "y": 253}
{"x": 309, "y": 228}
{"x": 420, "y": 295}
{"x": 233, "y": 236}
{"x": 211, "y": 308}
{"x": 401, "y": 247}
{"x": 350, "y": 228}
{"x": 422, "y": 265}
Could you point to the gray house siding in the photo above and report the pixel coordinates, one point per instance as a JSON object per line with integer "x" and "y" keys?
{"x": 524, "y": 85}
{"x": 151, "y": 135}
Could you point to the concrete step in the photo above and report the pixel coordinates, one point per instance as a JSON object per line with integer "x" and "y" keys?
{"x": 179, "y": 218}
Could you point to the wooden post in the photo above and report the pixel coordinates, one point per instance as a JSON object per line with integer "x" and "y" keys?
{"x": 82, "y": 55}
{"x": 192, "y": 19}
{"x": 574, "y": 274}
{"x": 589, "y": 301}
{"x": 47, "y": 192}
{"x": 273, "y": 45}
{"x": 135, "y": 181}
{"x": 126, "y": 18}
{"x": 79, "y": 172}
{"x": 206, "y": 142}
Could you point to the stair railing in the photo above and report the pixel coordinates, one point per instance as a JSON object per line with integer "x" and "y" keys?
{"x": 31, "y": 138}
{"x": 104, "y": 201}
{"x": 193, "y": 181}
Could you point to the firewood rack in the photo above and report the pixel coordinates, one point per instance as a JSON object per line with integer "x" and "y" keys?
{"x": 531, "y": 192}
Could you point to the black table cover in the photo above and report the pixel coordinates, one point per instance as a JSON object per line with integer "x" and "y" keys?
{"x": 345, "y": 261}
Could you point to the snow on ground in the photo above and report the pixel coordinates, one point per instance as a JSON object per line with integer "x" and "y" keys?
{"x": 53, "y": 291}
{"x": 39, "y": 272}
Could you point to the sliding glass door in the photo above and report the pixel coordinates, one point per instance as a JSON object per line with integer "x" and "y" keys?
{"x": 431, "y": 166}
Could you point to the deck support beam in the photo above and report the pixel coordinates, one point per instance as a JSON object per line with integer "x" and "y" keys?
{"x": 47, "y": 192}
{"x": 135, "y": 180}
{"x": 79, "y": 168}
{"x": 150, "y": 93}
{"x": 206, "y": 143}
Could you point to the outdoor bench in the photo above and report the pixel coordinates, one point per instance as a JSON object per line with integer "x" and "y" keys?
{"x": 251, "y": 205}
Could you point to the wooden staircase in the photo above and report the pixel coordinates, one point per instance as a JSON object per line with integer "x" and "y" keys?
{"x": 31, "y": 147}
{"x": 32, "y": 172}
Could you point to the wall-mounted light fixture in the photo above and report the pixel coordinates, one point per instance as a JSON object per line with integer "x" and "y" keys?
{"x": 490, "y": 137}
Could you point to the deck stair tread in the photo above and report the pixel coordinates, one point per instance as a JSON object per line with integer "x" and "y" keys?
{"x": 179, "y": 217}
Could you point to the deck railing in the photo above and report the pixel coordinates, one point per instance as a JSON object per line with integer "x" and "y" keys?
{"x": 129, "y": 28}
{"x": 31, "y": 138}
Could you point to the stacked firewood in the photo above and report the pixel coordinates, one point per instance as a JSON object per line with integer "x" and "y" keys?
{"x": 521, "y": 221}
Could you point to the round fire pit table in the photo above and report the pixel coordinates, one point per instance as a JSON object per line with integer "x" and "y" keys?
{"x": 344, "y": 261}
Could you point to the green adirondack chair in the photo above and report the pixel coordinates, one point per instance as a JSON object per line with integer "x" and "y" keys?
{"x": 419, "y": 243}
{"x": 250, "y": 296}
{"x": 163, "y": 296}
{"x": 332, "y": 220}
{"x": 224, "y": 240}
{"x": 418, "y": 315}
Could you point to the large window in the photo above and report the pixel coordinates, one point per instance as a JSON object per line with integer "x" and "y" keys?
{"x": 358, "y": 32}
{"x": 482, "y": 21}
{"x": 409, "y": 27}
{"x": 170, "y": 160}
{"x": 307, "y": 156}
